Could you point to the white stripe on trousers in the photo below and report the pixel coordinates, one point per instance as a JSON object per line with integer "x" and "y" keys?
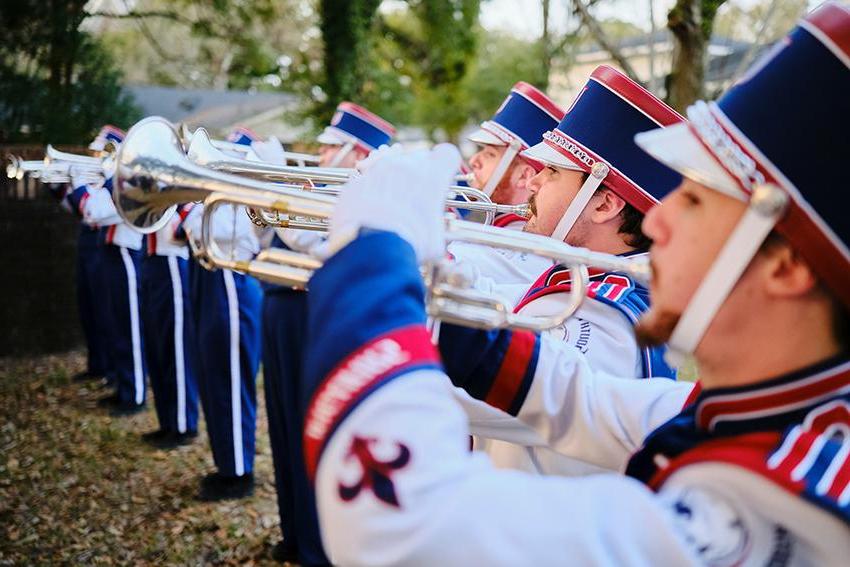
{"x": 235, "y": 371}
{"x": 135, "y": 331}
{"x": 179, "y": 357}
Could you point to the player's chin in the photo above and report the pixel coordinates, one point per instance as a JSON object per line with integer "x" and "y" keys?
{"x": 656, "y": 327}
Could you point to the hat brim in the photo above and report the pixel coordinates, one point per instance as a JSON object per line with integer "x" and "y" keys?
{"x": 485, "y": 138}
{"x": 678, "y": 148}
{"x": 550, "y": 157}
{"x": 330, "y": 137}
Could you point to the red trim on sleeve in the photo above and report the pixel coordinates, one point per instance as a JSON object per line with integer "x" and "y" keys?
{"x": 355, "y": 376}
{"x": 514, "y": 366}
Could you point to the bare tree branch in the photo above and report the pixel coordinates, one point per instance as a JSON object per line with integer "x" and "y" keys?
{"x": 599, "y": 35}
{"x": 164, "y": 14}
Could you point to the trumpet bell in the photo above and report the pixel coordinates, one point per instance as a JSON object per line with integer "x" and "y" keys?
{"x": 146, "y": 165}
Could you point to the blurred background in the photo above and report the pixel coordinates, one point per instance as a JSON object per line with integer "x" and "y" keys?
{"x": 434, "y": 68}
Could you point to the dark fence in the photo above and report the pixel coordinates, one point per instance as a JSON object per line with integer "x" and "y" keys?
{"x": 38, "y": 245}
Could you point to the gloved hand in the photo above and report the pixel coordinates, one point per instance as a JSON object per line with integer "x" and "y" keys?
{"x": 382, "y": 152}
{"x": 403, "y": 193}
{"x": 270, "y": 151}
{"x": 80, "y": 176}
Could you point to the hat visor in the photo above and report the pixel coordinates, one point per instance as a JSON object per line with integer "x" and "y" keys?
{"x": 678, "y": 148}
{"x": 483, "y": 137}
{"x": 550, "y": 157}
{"x": 330, "y": 138}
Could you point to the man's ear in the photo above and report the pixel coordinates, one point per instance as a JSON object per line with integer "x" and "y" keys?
{"x": 360, "y": 153}
{"x": 605, "y": 206}
{"x": 787, "y": 274}
{"x": 524, "y": 172}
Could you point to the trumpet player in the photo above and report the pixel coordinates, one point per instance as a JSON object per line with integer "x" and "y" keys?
{"x": 170, "y": 337}
{"x": 121, "y": 256}
{"x": 352, "y": 135}
{"x": 226, "y": 307}
{"x": 752, "y": 272}
{"x": 502, "y": 170}
{"x": 93, "y": 313}
{"x": 593, "y": 191}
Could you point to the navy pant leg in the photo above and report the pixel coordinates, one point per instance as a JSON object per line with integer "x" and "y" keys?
{"x": 228, "y": 313}
{"x": 169, "y": 340}
{"x": 121, "y": 274}
{"x": 285, "y": 325}
{"x": 89, "y": 300}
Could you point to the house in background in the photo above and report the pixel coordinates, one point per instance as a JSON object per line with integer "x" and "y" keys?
{"x": 651, "y": 57}
{"x": 267, "y": 113}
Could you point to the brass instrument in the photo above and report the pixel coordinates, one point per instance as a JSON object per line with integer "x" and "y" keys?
{"x": 203, "y": 152}
{"x": 187, "y": 136}
{"x": 153, "y": 175}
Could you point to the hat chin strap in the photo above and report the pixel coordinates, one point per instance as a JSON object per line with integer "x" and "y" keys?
{"x": 340, "y": 155}
{"x": 766, "y": 206}
{"x": 597, "y": 174}
{"x": 511, "y": 152}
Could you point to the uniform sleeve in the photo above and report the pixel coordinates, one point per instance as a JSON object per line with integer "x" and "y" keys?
{"x": 387, "y": 446}
{"x": 99, "y": 208}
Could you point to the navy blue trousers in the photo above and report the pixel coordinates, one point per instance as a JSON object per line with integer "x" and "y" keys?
{"x": 169, "y": 334}
{"x": 284, "y": 330}
{"x": 227, "y": 317}
{"x": 93, "y": 311}
{"x": 120, "y": 267}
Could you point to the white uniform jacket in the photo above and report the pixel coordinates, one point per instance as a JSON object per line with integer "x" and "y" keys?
{"x": 396, "y": 484}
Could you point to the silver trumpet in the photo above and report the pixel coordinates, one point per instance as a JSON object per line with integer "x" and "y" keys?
{"x": 187, "y": 136}
{"x": 202, "y": 151}
{"x": 153, "y": 175}
{"x": 54, "y": 172}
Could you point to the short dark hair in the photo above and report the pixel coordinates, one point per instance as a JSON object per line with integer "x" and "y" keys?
{"x": 631, "y": 220}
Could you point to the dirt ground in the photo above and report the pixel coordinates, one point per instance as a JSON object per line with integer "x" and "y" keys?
{"x": 78, "y": 487}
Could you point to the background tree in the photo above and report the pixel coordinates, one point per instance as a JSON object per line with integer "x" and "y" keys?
{"x": 691, "y": 23}
{"x": 57, "y": 82}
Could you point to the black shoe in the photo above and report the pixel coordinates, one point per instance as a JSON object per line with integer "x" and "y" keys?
{"x": 284, "y": 552}
{"x": 162, "y": 439}
{"x": 86, "y": 376}
{"x": 109, "y": 401}
{"x": 216, "y": 487}
{"x": 124, "y": 409}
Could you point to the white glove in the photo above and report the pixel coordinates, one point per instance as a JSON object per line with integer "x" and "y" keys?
{"x": 100, "y": 209}
{"x": 403, "y": 193}
{"x": 270, "y": 151}
{"x": 384, "y": 151}
{"x": 80, "y": 176}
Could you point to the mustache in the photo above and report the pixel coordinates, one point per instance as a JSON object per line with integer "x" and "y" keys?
{"x": 532, "y": 206}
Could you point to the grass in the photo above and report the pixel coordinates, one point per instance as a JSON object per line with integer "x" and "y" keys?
{"x": 78, "y": 487}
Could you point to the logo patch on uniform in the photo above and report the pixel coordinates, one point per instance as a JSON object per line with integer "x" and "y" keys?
{"x": 376, "y": 474}
{"x": 711, "y": 525}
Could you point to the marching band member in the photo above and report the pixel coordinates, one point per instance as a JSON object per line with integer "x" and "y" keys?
{"x": 752, "y": 275}
{"x": 502, "y": 169}
{"x": 499, "y": 167}
{"x": 121, "y": 262}
{"x": 226, "y": 307}
{"x": 93, "y": 313}
{"x": 592, "y": 193}
{"x": 169, "y": 335}
{"x": 352, "y": 135}
{"x": 354, "y": 132}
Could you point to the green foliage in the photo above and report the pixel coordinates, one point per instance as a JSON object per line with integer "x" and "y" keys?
{"x": 345, "y": 27}
{"x": 57, "y": 83}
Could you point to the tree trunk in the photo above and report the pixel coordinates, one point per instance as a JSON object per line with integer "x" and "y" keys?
{"x": 690, "y": 22}
{"x": 545, "y": 49}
